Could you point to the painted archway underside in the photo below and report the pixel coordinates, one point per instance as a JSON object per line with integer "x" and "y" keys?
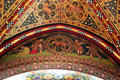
{"x": 93, "y": 33}
{"x": 109, "y": 48}
{"x": 60, "y": 44}
{"x": 93, "y": 15}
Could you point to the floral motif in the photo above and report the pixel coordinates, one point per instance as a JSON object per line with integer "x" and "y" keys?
{"x": 46, "y": 10}
{"x": 75, "y": 11}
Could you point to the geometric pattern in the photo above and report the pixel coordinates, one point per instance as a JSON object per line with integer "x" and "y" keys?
{"x": 53, "y": 62}
{"x": 7, "y": 9}
{"x": 30, "y": 20}
{"x": 52, "y": 13}
{"x": 7, "y": 4}
{"x": 78, "y": 8}
{"x": 112, "y": 6}
{"x": 89, "y": 22}
{"x": 110, "y": 18}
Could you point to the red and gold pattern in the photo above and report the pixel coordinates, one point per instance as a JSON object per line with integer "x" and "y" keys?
{"x": 52, "y": 62}
{"x": 7, "y": 7}
{"x": 59, "y": 44}
{"x": 5, "y": 28}
{"x": 99, "y": 10}
{"x": 111, "y": 51}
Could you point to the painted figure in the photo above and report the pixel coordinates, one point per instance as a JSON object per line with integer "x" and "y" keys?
{"x": 78, "y": 47}
{"x": 37, "y": 47}
{"x": 40, "y": 47}
{"x": 34, "y": 48}
{"x": 93, "y": 52}
{"x": 24, "y": 50}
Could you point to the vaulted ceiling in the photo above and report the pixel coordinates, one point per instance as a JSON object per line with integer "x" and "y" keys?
{"x": 99, "y": 17}
{"x": 97, "y": 21}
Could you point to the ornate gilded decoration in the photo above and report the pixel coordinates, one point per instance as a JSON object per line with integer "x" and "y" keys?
{"x": 46, "y": 10}
{"x": 7, "y": 5}
{"x": 75, "y": 11}
{"x": 49, "y": 63}
{"x": 83, "y": 32}
{"x": 30, "y": 20}
{"x": 90, "y": 22}
{"x": 59, "y": 44}
{"x": 112, "y": 6}
{"x": 53, "y": 13}
{"x": 70, "y": 29}
{"x": 58, "y": 47}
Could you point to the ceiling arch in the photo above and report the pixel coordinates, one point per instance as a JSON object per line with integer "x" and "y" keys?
{"x": 58, "y": 27}
{"x": 93, "y": 17}
{"x": 94, "y": 20}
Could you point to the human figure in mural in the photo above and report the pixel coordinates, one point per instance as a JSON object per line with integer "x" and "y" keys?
{"x": 34, "y": 48}
{"x": 37, "y": 47}
{"x": 40, "y": 47}
{"x": 78, "y": 47}
{"x": 93, "y": 52}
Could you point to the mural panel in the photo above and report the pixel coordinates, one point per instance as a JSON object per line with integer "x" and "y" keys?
{"x": 58, "y": 47}
{"x": 59, "y": 43}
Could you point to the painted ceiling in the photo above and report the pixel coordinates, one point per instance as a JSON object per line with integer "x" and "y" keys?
{"x": 97, "y": 21}
{"x": 100, "y": 17}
